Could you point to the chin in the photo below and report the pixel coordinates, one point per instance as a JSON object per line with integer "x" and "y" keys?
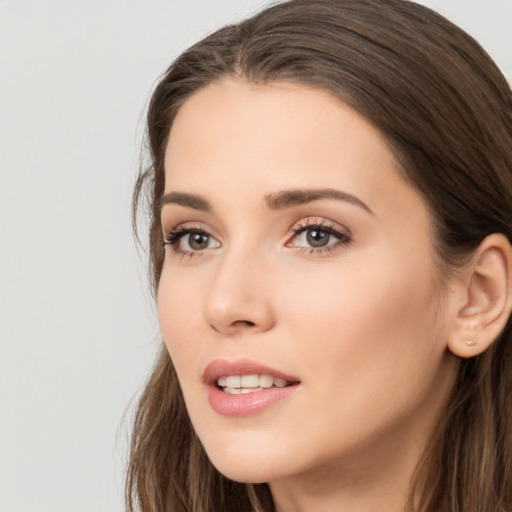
{"x": 246, "y": 466}
{"x": 244, "y": 476}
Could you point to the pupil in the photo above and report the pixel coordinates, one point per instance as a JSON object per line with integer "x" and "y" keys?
{"x": 198, "y": 241}
{"x": 317, "y": 238}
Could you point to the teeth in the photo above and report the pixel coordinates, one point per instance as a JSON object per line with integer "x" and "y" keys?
{"x": 280, "y": 383}
{"x": 233, "y": 391}
{"x": 246, "y": 391}
{"x": 243, "y": 384}
{"x": 249, "y": 381}
{"x": 266, "y": 381}
{"x": 233, "y": 381}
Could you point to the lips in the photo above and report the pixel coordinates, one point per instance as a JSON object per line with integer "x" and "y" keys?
{"x": 245, "y": 387}
{"x": 223, "y": 368}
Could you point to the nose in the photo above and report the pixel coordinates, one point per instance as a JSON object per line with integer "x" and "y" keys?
{"x": 239, "y": 299}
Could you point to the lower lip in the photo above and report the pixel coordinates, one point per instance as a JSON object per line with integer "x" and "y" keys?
{"x": 249, "y": 404}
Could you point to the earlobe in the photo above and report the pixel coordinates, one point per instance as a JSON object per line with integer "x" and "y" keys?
{"x": 486, "y": 292}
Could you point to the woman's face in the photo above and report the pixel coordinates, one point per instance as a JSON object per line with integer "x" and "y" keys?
{"x": 297, "y": 257}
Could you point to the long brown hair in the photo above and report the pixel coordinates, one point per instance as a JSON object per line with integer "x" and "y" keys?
{"x": 446, "y": 112}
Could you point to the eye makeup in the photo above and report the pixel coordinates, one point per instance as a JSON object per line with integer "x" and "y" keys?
{"x": 311, "y": 235}
{"x": 314, "y": 235}
{"x": 189, "y": 240}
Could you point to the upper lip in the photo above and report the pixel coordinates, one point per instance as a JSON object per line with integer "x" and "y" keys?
{"x": 223, "y": 368}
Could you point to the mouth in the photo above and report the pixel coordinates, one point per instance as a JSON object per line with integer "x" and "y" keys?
{"x": 245, "y": 387}
{"x": 245, "y": 384}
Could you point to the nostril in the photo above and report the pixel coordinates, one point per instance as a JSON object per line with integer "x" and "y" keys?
{"x": 243, "y": 323}
{"x": 238, "y": 324}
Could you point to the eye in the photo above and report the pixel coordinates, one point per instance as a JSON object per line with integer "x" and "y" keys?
{"x": 318, "y": 237}
{"x": 314, "y": 238}
{"x": 189, "y": 240}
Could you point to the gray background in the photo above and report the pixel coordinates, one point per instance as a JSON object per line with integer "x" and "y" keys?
{"x": 77, "y": 330}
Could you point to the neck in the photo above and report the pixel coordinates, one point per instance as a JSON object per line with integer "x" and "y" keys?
{"x": 359, "y": 487}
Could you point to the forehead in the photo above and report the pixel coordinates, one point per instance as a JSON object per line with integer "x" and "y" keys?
{"x": 265, "y": 109}
{"x": 267, "y": 125}
{"x": 275, "y": 137}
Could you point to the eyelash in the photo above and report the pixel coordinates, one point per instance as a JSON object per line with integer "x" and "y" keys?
{"x": 343, "y": 239}
{"x": 173, "y": 237}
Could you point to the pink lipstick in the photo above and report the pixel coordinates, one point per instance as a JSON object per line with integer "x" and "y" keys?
{"x": 244, "y": 387}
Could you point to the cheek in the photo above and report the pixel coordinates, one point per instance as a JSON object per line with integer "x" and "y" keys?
{"x": 368, "y": 346}
{"x": 365, "y": 320}
{"x": 179, "y": 316}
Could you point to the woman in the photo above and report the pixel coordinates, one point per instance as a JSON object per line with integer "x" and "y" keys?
{"x": 331, "y": 210}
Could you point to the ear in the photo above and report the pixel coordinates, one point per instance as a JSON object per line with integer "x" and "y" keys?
{"x": 483, "y": 298}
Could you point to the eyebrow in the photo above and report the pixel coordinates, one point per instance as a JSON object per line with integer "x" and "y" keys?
{"x": 188, "y": 200}
{"x": 290, "y": 198}
{"x": 275, "y": 201}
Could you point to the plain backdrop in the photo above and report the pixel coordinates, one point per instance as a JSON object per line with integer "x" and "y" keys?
{"x": 78, "y": 330}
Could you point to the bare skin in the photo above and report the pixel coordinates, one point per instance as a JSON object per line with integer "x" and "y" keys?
{"x": 339, "y": 289}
